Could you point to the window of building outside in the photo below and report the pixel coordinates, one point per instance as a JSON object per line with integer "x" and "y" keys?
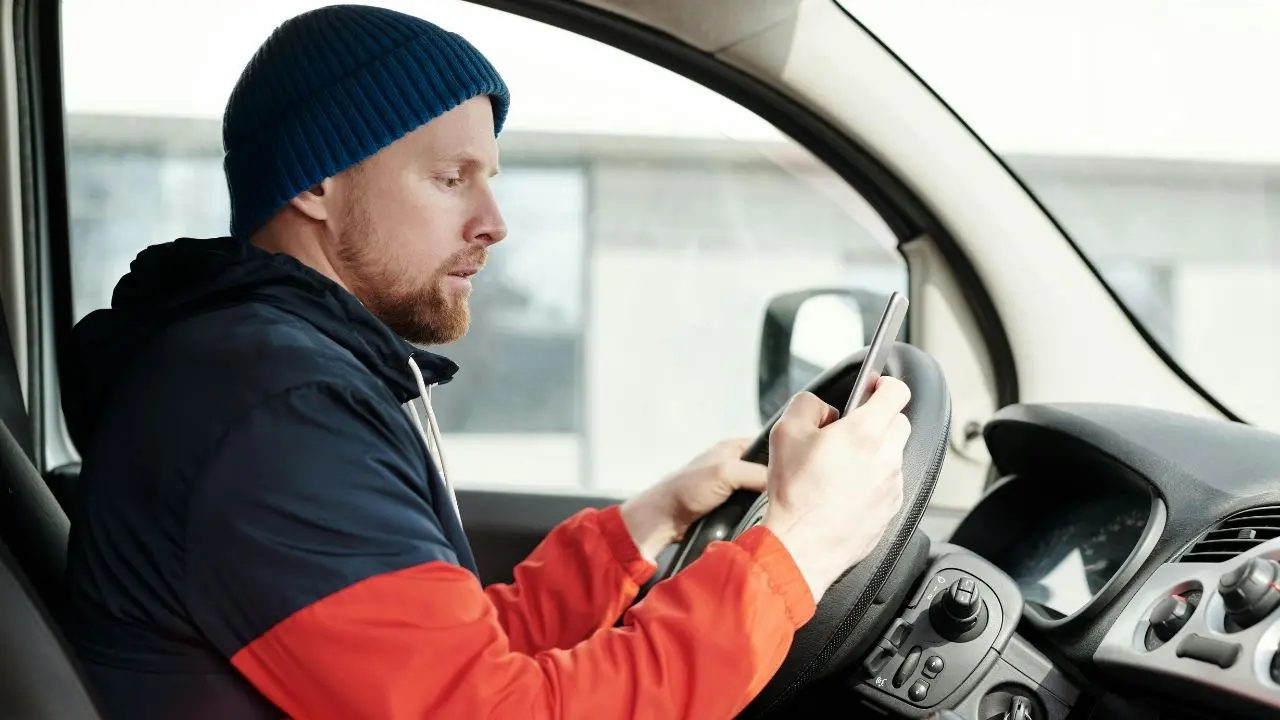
{"x": 614, "y": 333}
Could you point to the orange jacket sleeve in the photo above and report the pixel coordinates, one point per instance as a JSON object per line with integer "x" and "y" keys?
{"x": 426, "y": 642}
{"x": 579, "y": 579}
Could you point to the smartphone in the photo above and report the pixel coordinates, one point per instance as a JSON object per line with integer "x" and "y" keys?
{"x": 878, "y": 352}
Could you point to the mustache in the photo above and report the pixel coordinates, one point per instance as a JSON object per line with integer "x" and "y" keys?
{"x": 464, "y": 259}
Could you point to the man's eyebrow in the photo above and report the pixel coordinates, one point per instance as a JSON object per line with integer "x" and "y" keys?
{"x": 467, "y": 159}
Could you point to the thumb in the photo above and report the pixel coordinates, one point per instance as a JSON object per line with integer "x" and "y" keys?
{"x": 744, "y": 475}
{"x": 808, "y": 411}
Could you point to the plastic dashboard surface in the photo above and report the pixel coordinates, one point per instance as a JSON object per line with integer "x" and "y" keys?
{"x": 1207, "y": 649}
{"x": 1068, "y": 460}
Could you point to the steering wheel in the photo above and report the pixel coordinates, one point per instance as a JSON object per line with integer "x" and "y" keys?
{"x": 858, "y": 606}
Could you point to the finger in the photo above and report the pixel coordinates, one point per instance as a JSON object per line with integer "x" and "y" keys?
{"x": 899, "y": 432}
{"x": 736, "y": 446}
{"x": 889, "y": 398}
{"x": 808, "y": 410}
{"x": 743, "y": 475}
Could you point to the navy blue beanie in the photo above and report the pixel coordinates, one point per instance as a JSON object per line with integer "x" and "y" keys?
{"x": 333, "y": 86}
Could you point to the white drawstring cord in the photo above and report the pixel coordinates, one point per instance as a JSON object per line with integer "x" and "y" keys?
{"x": 431, "y": 434}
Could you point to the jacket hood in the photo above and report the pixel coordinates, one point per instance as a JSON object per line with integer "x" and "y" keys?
{"x": 172, "y": 281}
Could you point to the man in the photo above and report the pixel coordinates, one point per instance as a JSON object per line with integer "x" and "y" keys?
{"x": 266, "y": 522}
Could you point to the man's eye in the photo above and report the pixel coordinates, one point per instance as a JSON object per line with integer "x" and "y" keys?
{"x": 452, "y": 182}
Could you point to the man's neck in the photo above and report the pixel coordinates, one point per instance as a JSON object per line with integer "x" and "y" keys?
{"x": 303, "y": 244}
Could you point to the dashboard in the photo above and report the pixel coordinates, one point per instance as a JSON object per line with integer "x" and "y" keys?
{"x": 1145, "y": 547}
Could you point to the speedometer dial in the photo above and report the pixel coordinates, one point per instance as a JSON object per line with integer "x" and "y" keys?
{"x": 1108, "y": 546}
{"x": 1062, "y": 564}
{"x": 1036, "y": 559}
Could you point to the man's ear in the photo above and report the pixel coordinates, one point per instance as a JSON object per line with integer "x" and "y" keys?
{"x": 314, "y": 202}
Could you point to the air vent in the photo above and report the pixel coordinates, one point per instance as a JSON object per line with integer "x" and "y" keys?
{"x": 1240, "y": 532}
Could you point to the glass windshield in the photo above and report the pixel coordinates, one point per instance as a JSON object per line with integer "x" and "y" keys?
{"x": 1150, "y": 129}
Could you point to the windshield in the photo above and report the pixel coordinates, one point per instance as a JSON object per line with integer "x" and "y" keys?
{"x": 1150, "y": 129}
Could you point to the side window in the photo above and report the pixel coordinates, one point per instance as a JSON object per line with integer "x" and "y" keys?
{"x": 615, "y": 333}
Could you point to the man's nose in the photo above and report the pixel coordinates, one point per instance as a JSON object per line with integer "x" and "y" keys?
{"x": 491, "y": 233}
{"x": 490, "y": 228}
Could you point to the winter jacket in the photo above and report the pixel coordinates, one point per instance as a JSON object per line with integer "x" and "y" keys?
{"x": 263, "y": 527}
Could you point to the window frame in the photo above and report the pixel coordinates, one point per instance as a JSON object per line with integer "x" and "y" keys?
{"x": 46, "y": 218}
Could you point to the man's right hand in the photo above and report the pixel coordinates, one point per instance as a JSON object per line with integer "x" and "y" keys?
{"x": 835, "y": 483}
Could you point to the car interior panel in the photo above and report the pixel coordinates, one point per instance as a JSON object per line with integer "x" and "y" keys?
{"x": 39, "y": 676}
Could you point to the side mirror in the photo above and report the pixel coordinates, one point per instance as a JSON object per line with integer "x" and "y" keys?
{"x": 807, "y": 331}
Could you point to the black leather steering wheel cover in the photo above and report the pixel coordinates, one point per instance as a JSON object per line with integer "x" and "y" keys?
{"x": 834, "y": 635}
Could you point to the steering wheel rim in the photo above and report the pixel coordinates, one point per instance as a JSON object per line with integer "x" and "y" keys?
{"x": 843, "y": 628}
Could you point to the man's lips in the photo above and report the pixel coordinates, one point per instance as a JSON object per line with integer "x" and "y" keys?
{"x": 465, "y": 272}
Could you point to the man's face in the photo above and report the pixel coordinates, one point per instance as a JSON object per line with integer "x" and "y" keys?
{"x": 414, "y": 222}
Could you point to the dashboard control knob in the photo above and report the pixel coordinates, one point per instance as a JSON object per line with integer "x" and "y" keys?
{"x": 1169, "y": 616}
{"x": 1250, "y": 592}
{"x": 918, "y": 691}
{"x": 935, "y": 663}
{"x": 961, "y": 602}
{"x": 958, "y": 615}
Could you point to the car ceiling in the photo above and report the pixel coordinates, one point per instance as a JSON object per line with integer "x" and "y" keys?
{"x": 708, "y": 25}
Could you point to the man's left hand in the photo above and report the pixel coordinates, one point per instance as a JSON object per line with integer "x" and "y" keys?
{"x": 660, "y": 515}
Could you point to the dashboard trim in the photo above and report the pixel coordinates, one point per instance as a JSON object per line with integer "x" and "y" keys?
{"x": 1248, "y": 678}
{"x": 1204, "y": 470}
{"x": 1157, "y": 517}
